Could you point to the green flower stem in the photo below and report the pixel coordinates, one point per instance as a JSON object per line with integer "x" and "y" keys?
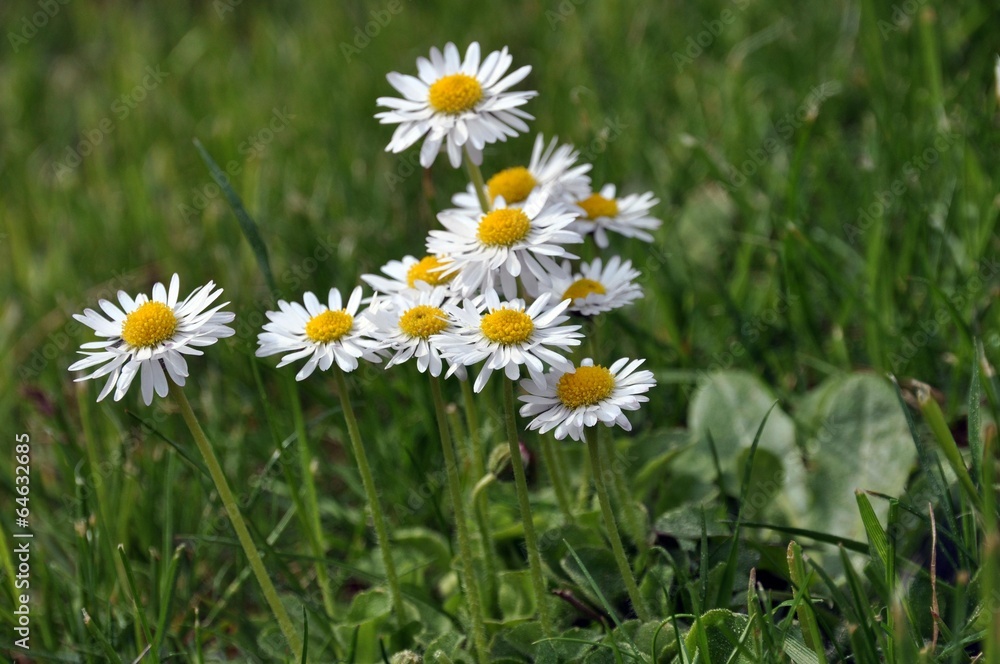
{"x": 633, "y": 515}
{"x": 583, "y": 492}
{"x": 233, "y": 511}
{"x": 556, "y": 472}
{"x": 472, "y": 423}
{"x": 935, "y": 420}
{"x": 476, "y": 175}
{"x": 609, "y": 521}
{"x": 464, "y": 545}
{"x": 311, "y": 520}
{"x": 530, "y": 540}
{"x": 381, "y": 534}
{"x": 481, "y": 503}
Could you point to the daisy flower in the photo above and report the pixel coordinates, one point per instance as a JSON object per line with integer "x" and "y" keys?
{"x": 551, "y": 168}
{"x": 409, "y": 273}
{"x": 628, "y": 216}
{"x": 508, "y": 335}
{"x": 596, "y": 288}
{"x": 501, "y": 243}
{"x": 323, "y": 333}
{"x": 150, "y": 337}
{"x": 407, "y": 323}
{"x": 570, "y": 401}
{"x": 458, "y": 103}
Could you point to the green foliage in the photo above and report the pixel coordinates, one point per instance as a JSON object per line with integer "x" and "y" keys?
{"x": 828, "y": 181}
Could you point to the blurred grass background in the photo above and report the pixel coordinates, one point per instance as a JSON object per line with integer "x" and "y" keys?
{"x": 765, "y": 128}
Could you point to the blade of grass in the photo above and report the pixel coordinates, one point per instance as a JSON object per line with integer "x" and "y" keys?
{"x": 864, "y": 648}
{"x": 975, "y": 421}
{"x": 929, "y": 466}
{"x": 991, "y": 551}
{"x": 97, "y": 635}
{"x": 807, "y": 618}
{"x": 136, "y": 604}
{"x": 729, "y": 575}
{"x": 852, "y": 545}
{"x": 597, "y": 591}
{"x": 167, "y": 598}
{"x": 247, "y": 224}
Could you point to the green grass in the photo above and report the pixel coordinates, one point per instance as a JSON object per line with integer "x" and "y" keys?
{"x": 827, "y": 177}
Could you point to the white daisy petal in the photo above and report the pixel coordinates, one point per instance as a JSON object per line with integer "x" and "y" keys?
{"x": 583, "y": 397}
{"x": 628, "y": 216}
{"x": 323, "y": 334}
{"x": 505, "y": 335}
{"x": 489, "y": 249}
{"x": 411, "y": 324}
{"x": 148, "y": 337}
{"x": 455, "y": 102}
{"x": 594, "y": 288}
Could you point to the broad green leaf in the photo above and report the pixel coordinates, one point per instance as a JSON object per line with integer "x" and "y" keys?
{"x": 662, "y": 635}
{"x": 527, "y": 642}
{"x": 859, "y": 441}
{"x": 722, "y": 630}
{"x": 367, "y": 606}
{"x": 686, "y": 523}
{"x": 798, "y": 651}
{"x": 431, "y": 544}
{"x": 600, "y": 563}
{"x": 517, "y": 599}
{"x": 731, "y": 405}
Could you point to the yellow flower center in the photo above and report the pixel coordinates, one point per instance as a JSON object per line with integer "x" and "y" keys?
{"x": 514, "y": 184}
{"x": 507, "y": 326}
{"x": 329, "y": 326}
{"x": 585, "y": 387}
{"x": 149, "y": 325}
{"x": 455, "y": 94}
{"x": 503, "y": 228}
{"x": 426, "y": 270}
{"x": 581, "y": 288}
{"x": 423, "y": 320}
{"x": 596, "y": 206}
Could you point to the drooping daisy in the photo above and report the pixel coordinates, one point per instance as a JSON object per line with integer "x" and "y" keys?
{"x": 323, "y": 333}
{"x": 628, "y": 216}
{"x": 596, "y": 288}
{"x": 551, "y": 168}
{"x": 507, "y": 335}
{"x": 409, "y": 273}
{"x": 406, "y": 325}
{"x": 501, "y": 244}
{"x": 570, "y": 401}
{"x": 150, "y": 337}
{"x": 458, "y": 103}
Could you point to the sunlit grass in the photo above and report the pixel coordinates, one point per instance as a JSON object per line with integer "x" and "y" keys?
{"x": 827, "y": 179}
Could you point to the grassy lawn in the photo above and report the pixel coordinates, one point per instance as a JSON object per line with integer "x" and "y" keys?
{"x": 826, "y": 173}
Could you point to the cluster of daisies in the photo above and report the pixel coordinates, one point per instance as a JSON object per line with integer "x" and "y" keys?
{"x": 497, "y": 288}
